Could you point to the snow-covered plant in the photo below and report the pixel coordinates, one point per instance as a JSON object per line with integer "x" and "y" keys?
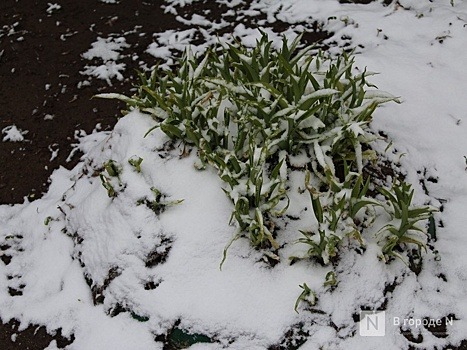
{"x": 344, "y": 210}
{"x": 337, "y": 212}
{"x": 330, "y": 280}
{"x": 247, "y": 110}
{"x": 159, "y": 203}
{"x": 403, "y": 229}
{"x": 307, "y": 295}
{"x": 108, "y": 186}
{"x": 113, "y": 170}
{"x": 136, "y": 161}
{"x": 255, "y": 192}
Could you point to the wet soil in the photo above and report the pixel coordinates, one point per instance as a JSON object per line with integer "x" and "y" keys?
{"x": 45, "y": 49}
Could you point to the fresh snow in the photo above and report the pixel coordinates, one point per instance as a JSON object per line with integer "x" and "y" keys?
{"x": 108, "y": 51}
{"x": 13, "y": 134}
{"x": 52, "y": 7}
{"x": 420, "y": 50}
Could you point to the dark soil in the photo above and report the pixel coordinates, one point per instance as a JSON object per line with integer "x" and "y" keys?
{"x": 34, "y": 337}
{"x": 44, "y": 58}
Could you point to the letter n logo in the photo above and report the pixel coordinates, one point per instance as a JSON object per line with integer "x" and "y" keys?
{"x": 372, "y": 324}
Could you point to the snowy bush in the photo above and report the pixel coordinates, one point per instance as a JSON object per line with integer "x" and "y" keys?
{"x": 257, "y": 114}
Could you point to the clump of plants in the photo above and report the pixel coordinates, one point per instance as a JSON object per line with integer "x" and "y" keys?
{"x": 248, "y": 112}
{"x": 159, "y": 203}
{"x": 111, "y": 182}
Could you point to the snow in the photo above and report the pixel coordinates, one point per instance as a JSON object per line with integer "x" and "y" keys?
{"x": 106, "y": 71}
{"x": 13, "y": 134}
{"x": 54, "y": 150}
{"x": 108, "y": 51}
{"x": 52, "y": 7}
{"x": 419, "y": 49}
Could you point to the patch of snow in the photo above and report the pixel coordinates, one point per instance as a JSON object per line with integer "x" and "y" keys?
{"x": 158, "y": 51}
{"x": 180, "y": 3}
{"x": 83, "y": 83}
{"x": 52, "y": 7}
{"x": 13, "y": 134}
{"x": 106, "y": 49}
{"x": 106, "y": 71}
{"x": 230, "y": 3}
{"x": 54, "y": 150}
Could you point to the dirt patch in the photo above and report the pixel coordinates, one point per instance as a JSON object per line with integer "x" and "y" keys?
{"x": 40, "y": 68}
{"x": 34, "y": 337}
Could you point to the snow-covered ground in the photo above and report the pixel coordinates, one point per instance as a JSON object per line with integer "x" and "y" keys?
{"x": 163, "y": 270}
